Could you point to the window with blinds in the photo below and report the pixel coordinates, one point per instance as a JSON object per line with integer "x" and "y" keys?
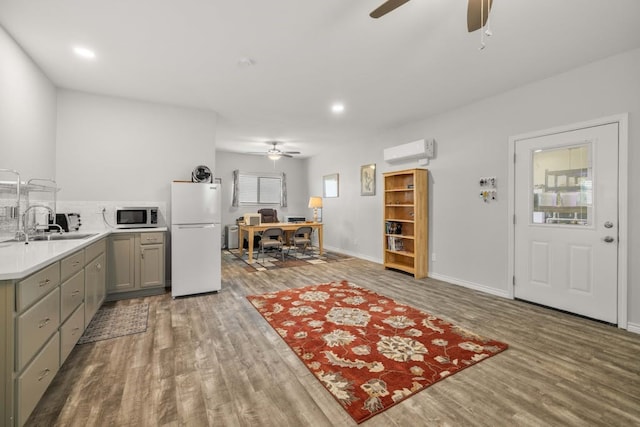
{"x": 259, "y": 189}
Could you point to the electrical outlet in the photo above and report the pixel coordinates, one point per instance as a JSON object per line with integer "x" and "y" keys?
{"x": 433, "y": 257}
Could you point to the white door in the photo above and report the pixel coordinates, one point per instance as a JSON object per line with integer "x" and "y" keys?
{"x": 566, "y": 224}
{"x": 195, "y": 259}
{"x": 195, "y": 203}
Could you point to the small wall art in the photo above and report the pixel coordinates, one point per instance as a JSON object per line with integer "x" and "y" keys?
{"x": 330, "y": 185}
{"x": 368, "y": 180}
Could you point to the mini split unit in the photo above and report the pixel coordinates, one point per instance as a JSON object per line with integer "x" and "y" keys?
{"x": 420, "y": 149}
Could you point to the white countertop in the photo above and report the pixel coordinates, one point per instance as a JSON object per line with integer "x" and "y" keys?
{"x": 137, "y": 230}
{"x": 18, "y": 260}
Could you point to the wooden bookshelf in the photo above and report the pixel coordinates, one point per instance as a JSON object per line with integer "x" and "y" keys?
{"x": 405, "y": 224}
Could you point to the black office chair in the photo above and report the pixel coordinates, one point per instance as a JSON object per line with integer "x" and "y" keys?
{"x": 268, "y": 215}
{"x": 301, "y": 237}
{"x": 271, "y": 239}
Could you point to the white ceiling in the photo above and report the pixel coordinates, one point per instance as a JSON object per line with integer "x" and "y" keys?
{"x": 414, "y": 62}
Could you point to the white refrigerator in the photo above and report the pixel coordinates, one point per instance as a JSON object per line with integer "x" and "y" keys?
{"x": 195, "y": 238}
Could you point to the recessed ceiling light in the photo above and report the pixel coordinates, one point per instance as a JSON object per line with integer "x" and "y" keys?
{"x": 83, "y": 52}
{"x": 337, "y": 108}
{"x": 246, "y": 62}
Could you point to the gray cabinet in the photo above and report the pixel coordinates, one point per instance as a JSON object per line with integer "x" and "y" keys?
{"x": 122, "y": 259}
{"x": 136, "y": 264}
{"x": 151, "y": 265}
{"x": 95, "y": 282}
{"x": 42, "y": 317}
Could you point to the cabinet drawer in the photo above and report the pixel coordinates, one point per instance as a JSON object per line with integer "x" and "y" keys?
{"x": 70, "y": 333}
{"x": 36, "y": 378}
{"x": 36, "y": 325}
{"x": 71, "y": 264}
{"x": 71, "y": 294}
{"x": 37, "y": 285}
{"x": 94, "y": 250}
{"x": 150, "y": 238}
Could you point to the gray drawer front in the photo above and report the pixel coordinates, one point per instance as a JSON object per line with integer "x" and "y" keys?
{"x": 35, "y": 286}
{"x": 36, "y": 325}
{"x": 151, "y": 238}
{"x": 36, "y": 378}
{"x": 94, "y": 250}
{"x": 71, "y": 264}
{"x": 72, "y": 294}
{"x": 70, "y": 333}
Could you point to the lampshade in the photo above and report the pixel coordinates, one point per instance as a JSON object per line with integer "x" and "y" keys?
{"x": 315, "y": 202}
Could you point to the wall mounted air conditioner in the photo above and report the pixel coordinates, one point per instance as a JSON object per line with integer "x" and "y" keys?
{"x": 420, "y": 149}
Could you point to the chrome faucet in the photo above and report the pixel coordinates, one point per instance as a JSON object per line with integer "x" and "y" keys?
{"x": 24, "y": 220}
{"x": 60, "y": 230}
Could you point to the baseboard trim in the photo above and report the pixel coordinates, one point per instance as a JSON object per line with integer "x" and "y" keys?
{"x": 139, "y": 293}
{"x": 471, "y": 285}
{"x": 452, "y": 280}
{"x": 633, "y": 327}
{"x": 353, "y": 254}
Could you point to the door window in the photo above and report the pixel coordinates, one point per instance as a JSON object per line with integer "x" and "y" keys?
{"x": 562, "y": 186}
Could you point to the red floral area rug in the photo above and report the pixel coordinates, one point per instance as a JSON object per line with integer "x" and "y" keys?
{"x": 369, "y": 351}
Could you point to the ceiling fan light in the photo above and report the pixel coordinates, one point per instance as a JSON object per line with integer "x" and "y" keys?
{"x": 274, "y": 156}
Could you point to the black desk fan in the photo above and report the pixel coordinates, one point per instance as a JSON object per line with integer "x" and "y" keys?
{"x": 201, "y": 174}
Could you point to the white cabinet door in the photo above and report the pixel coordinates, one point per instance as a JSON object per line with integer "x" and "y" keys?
{"x": 195, "y": 259}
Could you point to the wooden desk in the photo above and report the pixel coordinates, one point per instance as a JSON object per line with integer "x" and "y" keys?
{"x": 250, "y": 230}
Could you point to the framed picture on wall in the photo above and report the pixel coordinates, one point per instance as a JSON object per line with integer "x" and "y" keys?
{"x": 330, "y": 184}
{"x": 368, "y": 180}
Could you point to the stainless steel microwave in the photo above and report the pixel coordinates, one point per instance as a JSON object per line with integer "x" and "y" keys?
{"x": 137, "y": 217}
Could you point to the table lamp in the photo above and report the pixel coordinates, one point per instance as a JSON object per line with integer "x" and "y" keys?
{"x": 315, "y": 203}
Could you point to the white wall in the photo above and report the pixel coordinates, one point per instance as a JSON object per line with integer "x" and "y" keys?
{"x": 469, "y": 236}
{"x": 297, "y": 188}
{"x": 352, "y": 223}
{"x": 27, "y": 114}
{"x": 119, "y": 149}
{"x": 27, "y": 125}
{"x": 112, "y": 150}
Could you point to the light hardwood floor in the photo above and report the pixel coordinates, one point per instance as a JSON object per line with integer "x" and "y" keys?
{"x": 212, "y": 360}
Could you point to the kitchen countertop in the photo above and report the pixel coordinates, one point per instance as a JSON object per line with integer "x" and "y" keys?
{"x": 18, "y": 260}
{"x": 137, "y": 230}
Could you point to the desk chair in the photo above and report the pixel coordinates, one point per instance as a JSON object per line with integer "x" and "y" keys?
{"x": 301, "y": 237}
{"x": 271, "y": 239}
{"x": 268, "y": 215}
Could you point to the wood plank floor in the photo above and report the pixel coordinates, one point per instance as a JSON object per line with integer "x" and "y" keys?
{"x": 212, "y": 360}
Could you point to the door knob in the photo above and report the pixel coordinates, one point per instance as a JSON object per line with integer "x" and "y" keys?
{"x": 608, "y": 224}
{"x": 609, "y": 239}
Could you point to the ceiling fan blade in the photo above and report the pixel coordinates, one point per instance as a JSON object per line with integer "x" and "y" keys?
{"x": 475, "y": 17}
{"x": 387, "y": 7}
{"x": 291, "y": 152}
{"x": 285, "y": 155}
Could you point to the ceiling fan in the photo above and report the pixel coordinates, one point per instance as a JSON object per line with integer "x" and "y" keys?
{"x": 477, "y": 11}
{"x": 274, "y": 153}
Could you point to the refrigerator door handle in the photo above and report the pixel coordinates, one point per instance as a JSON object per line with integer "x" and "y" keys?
{"x": 197, "y": 226}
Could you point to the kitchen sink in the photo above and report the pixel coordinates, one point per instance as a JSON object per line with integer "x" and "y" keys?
{"x": 56, "y": 236}
{"x": 64, "y": 236}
